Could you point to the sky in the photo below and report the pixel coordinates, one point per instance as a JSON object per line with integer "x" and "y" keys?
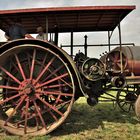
{"x": 130, "y": 26}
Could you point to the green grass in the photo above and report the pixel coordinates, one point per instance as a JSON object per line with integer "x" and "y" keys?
{"x": 101, "y": 122}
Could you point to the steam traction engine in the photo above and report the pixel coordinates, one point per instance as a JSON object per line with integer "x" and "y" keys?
{"x": 39, "y": 81}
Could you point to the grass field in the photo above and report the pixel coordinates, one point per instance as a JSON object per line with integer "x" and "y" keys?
{"x": 102, "y": 122}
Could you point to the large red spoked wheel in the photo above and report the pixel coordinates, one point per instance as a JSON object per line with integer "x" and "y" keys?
{"x": 36, "y": 90}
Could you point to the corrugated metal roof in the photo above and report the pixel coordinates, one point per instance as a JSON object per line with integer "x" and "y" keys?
{"x": 67, "y": 19}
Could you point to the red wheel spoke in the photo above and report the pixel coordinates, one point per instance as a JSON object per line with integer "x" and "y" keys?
{"x": 9, "y": 87}
{"x": 10, "y": 75}
{"x": 26, "y": 116}
{"x": 33, "y": 63}
{"x": 16, "y": 67}
{"x": 57, "y": 93}
{"x": 111, "y": 58}
{"x": 28, "y": 60}
{"x": 10, "y": 98}
{"x": 57, "y": 98}
{"x": 31, "y": 117}
{"x": 6, "y": 78}
{"x": 64, "y": 103}
{"x": 20, "y": 67}
{"x": 60, "y": 105}
{"x": 119, "y": 65}
{"x": 18, "y": 105}
{"x": 37, "y": 121}
{"x": 55, "y": 118}
{"x": 117, "y": 56}
{"x": 54, "y": 86}
{"x": 52, "y": 80}
{"x": 66, "y": 83}
{"x": 43, "y": 63}
{"x": 44, "y": 70}
{"x": 50, "y": 106}
{"x": 9, "y": 92}
{"x": 22, "y": 113}
{"x": 39, "y": 114}
{"x": 53, "y": 73}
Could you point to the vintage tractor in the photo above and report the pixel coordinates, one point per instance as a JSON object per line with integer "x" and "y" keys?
{"x": 39, "y": 81}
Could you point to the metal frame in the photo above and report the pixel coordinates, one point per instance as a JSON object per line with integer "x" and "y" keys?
{"x": 110, "y": 33}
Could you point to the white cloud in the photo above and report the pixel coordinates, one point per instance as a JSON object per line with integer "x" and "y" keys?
{"x": 14, "y": 4}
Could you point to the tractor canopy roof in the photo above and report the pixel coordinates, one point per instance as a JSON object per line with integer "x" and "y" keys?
{"x": 67, "y": 19}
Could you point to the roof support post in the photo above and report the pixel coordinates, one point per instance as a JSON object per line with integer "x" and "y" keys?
{"x": 109, "y": 41}
{"x": 56, "y": 35}
{"x": 85, "y": 45}
{"x": 50, "y": 36}
{"x": 71, "y": 44}
{"x": 47, "y": 26}
{"x": 109, "y": 38}
{"x": 120, "y": 42}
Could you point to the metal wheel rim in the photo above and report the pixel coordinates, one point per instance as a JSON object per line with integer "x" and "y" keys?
{"x": 21, "y": 130}
{"x": 126, "y": 106}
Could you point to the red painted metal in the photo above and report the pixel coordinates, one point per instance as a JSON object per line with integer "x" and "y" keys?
{"x": 52, "y": 73}
{"x": 64, "y": 9}
{"x": 11, "y": 98}
{"x": 43, "y": 63}
{"x": 54, "y": 86}
{"x": 55, "y": 118}
{"x": 44, "y": 70}
{"x": 20, "y": 67}
{"x": 10, "y": 75}
{"x": 32, "y": 66}
{"x": 50, "y": 106}
{"x": 9, "y": 87}
{"x": 39, "y": 114}
{"x": 26, "y": 115}
{"x": 57, "y": 93}
{"x": 18, "y": 105}
{"x": 52, "y": 80}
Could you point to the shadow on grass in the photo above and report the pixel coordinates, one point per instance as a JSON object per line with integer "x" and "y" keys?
{"x": 83, "y": 117}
